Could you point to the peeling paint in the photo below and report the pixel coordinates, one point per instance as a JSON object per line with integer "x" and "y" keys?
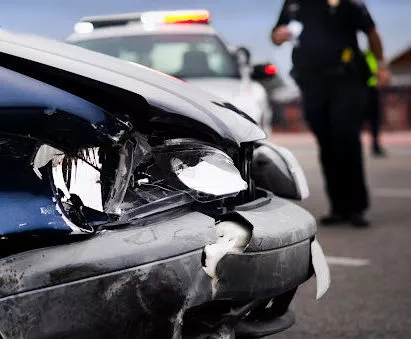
{"x": 46, "y": 210}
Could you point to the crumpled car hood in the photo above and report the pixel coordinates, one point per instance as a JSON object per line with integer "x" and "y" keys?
{"x": 160, "y": 91}
{"x": 246, "y": 95}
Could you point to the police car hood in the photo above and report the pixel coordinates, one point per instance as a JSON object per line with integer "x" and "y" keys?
{"x": 249, "y": 96}
{"x": 160, "y": 91}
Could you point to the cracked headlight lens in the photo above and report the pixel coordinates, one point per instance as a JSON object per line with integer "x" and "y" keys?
{"x": 204, "y": 172}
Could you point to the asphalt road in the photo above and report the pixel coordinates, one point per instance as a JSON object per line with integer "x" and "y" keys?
{"x": 371, "y": 297}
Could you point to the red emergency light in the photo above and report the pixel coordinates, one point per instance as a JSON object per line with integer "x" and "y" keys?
{"x": 270, "y": 69}
{"x": 187, "y": 17}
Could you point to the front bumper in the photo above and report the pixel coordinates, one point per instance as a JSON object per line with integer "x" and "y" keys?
{"x": 140, "y": 282}
{"x": 278, "y": 257}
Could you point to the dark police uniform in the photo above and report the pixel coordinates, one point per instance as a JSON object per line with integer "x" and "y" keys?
{"x": 332, "y": 73}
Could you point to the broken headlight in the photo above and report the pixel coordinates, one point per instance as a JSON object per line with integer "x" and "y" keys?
{"x": 95, "y": 186}
{"x": 203, "y": 172}
{"x": 178, "y": 172}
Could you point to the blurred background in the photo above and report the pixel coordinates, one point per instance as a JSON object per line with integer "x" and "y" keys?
{"x": 370, "y": 296}
{"x": 240, "y": 23}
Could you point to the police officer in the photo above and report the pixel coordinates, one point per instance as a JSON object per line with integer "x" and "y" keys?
{"x": 373, "y": 108}
{"x": 331, "y": 72}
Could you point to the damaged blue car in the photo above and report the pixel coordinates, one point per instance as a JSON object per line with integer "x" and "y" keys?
{"x": 135, "y": 206}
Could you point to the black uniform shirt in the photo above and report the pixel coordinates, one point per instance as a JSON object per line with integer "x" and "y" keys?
{"x": 327, "y": 31}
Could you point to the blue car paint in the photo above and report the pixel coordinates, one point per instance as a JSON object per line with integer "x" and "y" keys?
{"x": 35, "y": 111}
{"x": 27, "y": 201}
{"x": 29, "y": 212}
{"x": 20, "y": 91}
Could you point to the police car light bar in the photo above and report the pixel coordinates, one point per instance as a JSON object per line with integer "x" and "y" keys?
{"x": 88, "y": 23}
{"x": 176, "y": 17}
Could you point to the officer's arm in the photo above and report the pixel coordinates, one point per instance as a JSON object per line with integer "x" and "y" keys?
{"x": 280, "y": 33}
{"x": 364, "y": 22}
{"x": 383, "y": 74}
{"x": 374, "y": 41}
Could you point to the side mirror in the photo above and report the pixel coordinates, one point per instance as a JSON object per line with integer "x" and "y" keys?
{"x": 275, "y": 169}
{"x": 243, "y": 56}
{"x": 263, "y": 71}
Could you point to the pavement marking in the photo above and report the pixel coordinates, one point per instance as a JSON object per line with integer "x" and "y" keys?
{"x": 392, "y": 192}
{"x": 347, "y": 261}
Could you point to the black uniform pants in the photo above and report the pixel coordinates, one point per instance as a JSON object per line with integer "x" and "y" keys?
{"x": 373, "y": 112}
{"x": 334, "y": 109}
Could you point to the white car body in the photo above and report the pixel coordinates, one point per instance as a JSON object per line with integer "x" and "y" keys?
{"x": 243, "y": 92}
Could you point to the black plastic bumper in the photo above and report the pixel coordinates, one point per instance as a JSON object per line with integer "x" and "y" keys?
{"x": 136, "y": 283}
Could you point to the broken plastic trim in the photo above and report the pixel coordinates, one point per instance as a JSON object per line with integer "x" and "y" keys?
{"x": 232, "y": 237}
{"x": 276, "y": 169}
{"x": 77, "y": 185}
{"x": 74, "y": 176}
{"x": 122, "y": 179}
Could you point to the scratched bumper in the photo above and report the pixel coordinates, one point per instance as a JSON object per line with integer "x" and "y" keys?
{"x": 278, "y": 258}
{"x": 134, "y": 284}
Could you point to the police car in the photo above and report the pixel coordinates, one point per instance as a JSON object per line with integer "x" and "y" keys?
{"x": 182, "y": 44}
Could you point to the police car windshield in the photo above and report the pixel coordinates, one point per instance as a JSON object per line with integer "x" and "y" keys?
{"x": 183, "y": 56}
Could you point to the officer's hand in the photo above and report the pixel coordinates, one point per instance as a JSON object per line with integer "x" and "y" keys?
{"x": 384, "y": 76}
{"x": 280, "y": 35}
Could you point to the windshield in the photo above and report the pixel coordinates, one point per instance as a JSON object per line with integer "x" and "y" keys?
{"x": 182, "y": 56}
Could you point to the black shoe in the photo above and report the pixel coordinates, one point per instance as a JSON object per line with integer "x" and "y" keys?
{"x": 358, "y": 220}
{"x": 333, "y": 219}
{"x": 378, "y": 151}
